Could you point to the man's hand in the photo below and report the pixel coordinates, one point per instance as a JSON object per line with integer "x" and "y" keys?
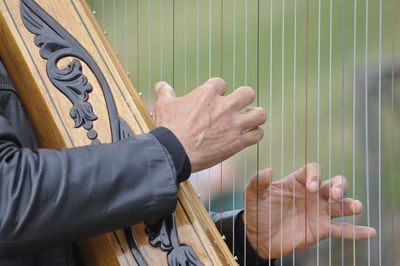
{"x": 287, "y": 221}
{"x": 209, "y": 125}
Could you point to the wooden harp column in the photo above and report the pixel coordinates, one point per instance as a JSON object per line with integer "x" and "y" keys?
{"x": 77, "y": 93}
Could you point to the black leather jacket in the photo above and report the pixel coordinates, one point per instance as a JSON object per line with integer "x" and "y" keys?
{"x": 52, "y": 198}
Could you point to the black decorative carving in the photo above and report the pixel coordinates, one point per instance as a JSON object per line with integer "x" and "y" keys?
{"x": 55, "y": 44}
{"x": 134, "y": 248}
{"x": 92, "y": 134}
{"x": 163, "y": 234}
{"x": 69, "y": 80}
{"x": 125, "y": 130}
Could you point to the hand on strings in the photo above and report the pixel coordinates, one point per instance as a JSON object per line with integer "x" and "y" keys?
{"x": 288, "y": 211}
{"x": 210, "y": 126}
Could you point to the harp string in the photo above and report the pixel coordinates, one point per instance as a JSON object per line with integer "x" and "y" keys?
{"x": 210, "y": 38}
{"x": 126, "y": 37}
{"x": 138, "y": 49}
{"x": 245, "y": 153}
{"x": 282, "y": 120}
{"x": 366, "y": 127}
{"x": 222, "y": 74}
{"x": 294, "y": 123}
{"x": 318, "y": 112}
{"x": 379, "y": 137}
{"x": 186, "y": 49}
{"x": 258, "y": 144}
{"x": 103, "y": 14}
{"x": 162, "y": 41}
{"x": 270, "y": 125}
{"x": 306, "y": 129}
{"x": 392, "y": 138}
{"x": 234, "y": 86}
{"x": 197, "y": 25}
{"x": 173, "y": 40}
{"x": 363, "y": 102}
{"x": 354, "y": 122}
{"x": 149, "y": 40}
{"x": 342, "y": 128}
{"x": 114, "y": 27}
{"x": 209, "y": 76}
{"x": 330, "y": 129}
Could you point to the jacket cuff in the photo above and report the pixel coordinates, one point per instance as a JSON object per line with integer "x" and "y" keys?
{"x": 177, "y": 152}
{"x": 246, "y": 251}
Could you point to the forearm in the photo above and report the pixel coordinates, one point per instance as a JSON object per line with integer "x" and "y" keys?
{"x": 50, "y": 196}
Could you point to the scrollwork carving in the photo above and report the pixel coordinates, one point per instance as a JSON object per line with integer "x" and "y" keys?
{"x": 164, "y": 234}
{"x": 56, "y": 44}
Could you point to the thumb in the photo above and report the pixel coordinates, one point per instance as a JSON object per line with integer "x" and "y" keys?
{"x": 163, "y": 89}
{"x": 261, "y": 180}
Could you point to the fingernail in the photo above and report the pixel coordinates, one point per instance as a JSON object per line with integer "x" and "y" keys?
{"x": 313, "y": 186}
{"x": 339, "y": 193}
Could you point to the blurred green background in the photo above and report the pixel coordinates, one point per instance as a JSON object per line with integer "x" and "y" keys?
{"x": 264, "y": 45}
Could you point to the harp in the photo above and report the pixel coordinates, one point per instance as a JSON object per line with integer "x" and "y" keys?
{"x": 78, "y": 95}
{"x": 326, "y": 72}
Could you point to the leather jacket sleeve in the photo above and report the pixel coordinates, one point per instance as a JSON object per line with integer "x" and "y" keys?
{"x": 52, "y": 197}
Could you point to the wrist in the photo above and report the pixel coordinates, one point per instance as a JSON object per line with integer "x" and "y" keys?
{"x": 251, "y": 235}
{"x": 176, "y": 150}
{"x": 245, "y": 249}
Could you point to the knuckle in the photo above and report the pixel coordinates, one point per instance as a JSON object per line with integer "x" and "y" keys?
{"x": 236, "y": 144}
{"x": 239, "y": 143}
{"x": 206, "y": 86}
{"x": 256, "y": 136}
{"x": 230, "y": 103}
{"x": 206, "y": 92}
{"x": 340, "y": 182}
{"x": 235, "y": 123}
{"x": 222, "y": 111}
